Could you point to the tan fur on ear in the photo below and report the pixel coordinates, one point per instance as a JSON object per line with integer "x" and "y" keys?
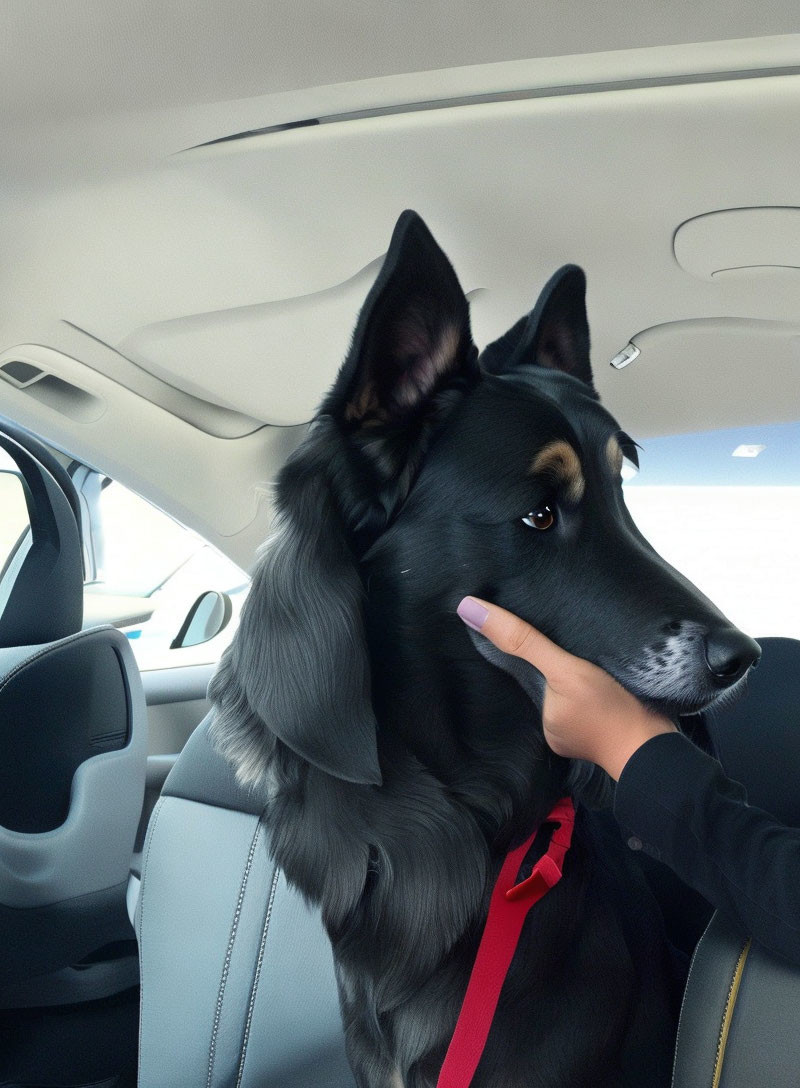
{"x": 560, "y": 461}
{"x": 413, "y": 386}
{"x": 365, "y": 408}
{"x": 419, "y": 381}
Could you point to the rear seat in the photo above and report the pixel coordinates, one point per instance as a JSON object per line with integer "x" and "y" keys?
{"x": 238, "y": 986}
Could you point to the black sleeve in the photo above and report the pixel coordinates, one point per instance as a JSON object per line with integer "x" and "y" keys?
{"x": 675, "y": 803}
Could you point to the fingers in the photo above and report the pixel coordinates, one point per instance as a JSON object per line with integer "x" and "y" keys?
{"x": 514, "y": 636}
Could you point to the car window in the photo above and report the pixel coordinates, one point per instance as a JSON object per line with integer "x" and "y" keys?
{"x": 147, "y": 573}
{"x": 723, "y": 507}
{"x": 140, "y": 548}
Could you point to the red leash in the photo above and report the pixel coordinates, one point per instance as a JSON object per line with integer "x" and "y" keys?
{"x": 508, "y": 909}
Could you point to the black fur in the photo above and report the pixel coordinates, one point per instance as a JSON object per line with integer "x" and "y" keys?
{"x": 402, "y": 756}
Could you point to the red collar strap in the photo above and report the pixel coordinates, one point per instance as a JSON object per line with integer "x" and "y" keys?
{"x": 508, "y": 909}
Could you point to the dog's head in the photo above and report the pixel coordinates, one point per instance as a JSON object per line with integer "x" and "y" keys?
{"x": 430, "y": 473}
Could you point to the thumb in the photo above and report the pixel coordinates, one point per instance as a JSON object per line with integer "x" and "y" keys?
{"x": 513, "y": 635}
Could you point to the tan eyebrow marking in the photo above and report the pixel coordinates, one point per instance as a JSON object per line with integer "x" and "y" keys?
{"x": 559, "y": 459}
{"x": 614, "y": 455}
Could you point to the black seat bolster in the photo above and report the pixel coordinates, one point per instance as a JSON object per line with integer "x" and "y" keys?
{"x": 740, "y": 1008}
{"x": 201, "y": 774}
{"x": 756, "y": 738}
{"x": 702, "y": 1013}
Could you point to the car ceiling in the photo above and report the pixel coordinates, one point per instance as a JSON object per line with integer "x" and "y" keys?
{"x": 185, "y": 297}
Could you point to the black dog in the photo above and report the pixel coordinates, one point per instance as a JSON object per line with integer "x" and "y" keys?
{"x": 400, "y": 763}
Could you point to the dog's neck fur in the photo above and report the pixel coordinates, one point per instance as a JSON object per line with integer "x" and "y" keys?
{"x": 404, "y": 873}
{"x": 454, "y": 805}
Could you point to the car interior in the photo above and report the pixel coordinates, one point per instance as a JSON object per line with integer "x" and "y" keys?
{"x": 195, "y": 200}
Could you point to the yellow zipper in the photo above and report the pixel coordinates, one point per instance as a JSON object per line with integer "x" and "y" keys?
{"x": 727, "y": 1015}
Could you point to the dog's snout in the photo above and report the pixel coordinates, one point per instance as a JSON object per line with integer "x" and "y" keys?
{"x": 730, "y": 653}
{"x": 691, "y": 663}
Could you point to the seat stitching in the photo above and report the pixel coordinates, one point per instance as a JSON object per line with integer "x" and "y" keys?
{"x": 228, "y": 953}
{"x": 257, "y": 976}
{"x": 153, "y": 822}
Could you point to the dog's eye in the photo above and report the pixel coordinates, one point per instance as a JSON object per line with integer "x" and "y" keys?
{"x": 543, "y": 518}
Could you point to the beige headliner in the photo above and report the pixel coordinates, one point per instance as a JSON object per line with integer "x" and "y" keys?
{"x": 198, "y": 294}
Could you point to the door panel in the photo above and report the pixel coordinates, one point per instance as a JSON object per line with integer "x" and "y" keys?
{"x": 176, "y": 704}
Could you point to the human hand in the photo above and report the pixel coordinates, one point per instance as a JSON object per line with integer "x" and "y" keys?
{"x": 586, "y": 714}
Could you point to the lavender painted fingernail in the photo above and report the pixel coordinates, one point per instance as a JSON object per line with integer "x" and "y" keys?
{"x": 472, "y": 613}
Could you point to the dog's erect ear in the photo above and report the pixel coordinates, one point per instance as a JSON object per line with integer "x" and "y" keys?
{"x": 412, "y": 335}
{"x": 554, "y": 335}
{"x": 298, "y": 667}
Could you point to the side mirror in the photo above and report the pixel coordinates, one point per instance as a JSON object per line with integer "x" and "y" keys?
{"x": 209, "y": 615}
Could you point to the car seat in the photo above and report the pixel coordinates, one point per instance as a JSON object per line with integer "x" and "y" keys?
{"x": 237, "y": 976}
{"x": 238, "y": 986}
{"x": 73, "y": 750}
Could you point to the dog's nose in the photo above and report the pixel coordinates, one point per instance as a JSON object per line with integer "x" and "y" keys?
{"x": 730, "y": 653}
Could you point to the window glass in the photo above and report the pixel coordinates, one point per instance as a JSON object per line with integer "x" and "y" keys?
{"x": 729, "y": 521}
{"x": 141, "y": 548}
{"x": 151, "y": 570}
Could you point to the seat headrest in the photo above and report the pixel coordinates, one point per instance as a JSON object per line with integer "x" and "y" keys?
{"x": 757, "y": 738}
{"x": 43, "y": 600}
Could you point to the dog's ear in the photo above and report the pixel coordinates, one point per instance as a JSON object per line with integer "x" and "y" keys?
{"x": 555, "y": 334}
{"x": 412, "y": 335}
{"x": 298, "y": 667}
{"x": 411, "y": 358}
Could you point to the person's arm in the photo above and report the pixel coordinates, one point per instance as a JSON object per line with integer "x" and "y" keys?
{"x": 676, "y": 803}
{"x": 672, "y": 800}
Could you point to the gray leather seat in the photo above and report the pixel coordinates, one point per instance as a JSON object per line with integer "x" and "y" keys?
{"x": 238, "y": 987}
{"x": 741, "y": 1010}
{"x": 237, "y": 976}
{"x": 73, "y": 751}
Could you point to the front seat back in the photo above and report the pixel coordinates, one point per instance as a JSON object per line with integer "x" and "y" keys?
{"x": 41, "y": 588}
{"x": 739, "y": 1021}
{"x": 73, "y": 753}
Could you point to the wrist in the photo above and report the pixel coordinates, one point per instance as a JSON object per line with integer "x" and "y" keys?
{"x": 616, "y": 755}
